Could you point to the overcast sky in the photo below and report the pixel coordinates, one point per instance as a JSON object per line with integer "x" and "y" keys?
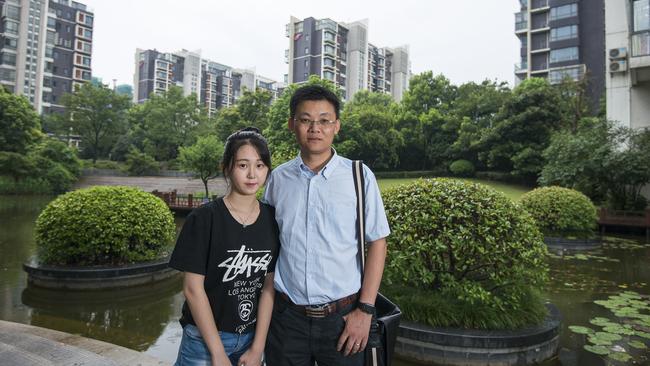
{"x": 466, "y": 40}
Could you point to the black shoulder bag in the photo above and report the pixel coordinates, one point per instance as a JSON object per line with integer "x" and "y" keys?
{"x": 383, "y": 330}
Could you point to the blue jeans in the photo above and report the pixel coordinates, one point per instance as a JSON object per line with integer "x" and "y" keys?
{"x": 194, "y": 352}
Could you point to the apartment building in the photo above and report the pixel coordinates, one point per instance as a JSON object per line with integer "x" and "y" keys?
{"x": 341, "y": 53}
{"x": 563, "y": 38}
{"x": 215, "y": 85}
{"x": 45, "y": 49}
{"x": 628, "y": 62}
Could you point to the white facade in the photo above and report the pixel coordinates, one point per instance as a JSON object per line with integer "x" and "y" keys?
{"x": 357, "y": 72}
{"x": 628, "y": 58}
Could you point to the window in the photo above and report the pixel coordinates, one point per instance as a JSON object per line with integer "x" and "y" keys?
{"x": 86, "y": 47}
{"x": 328, "y": 75}
{"x": 7, "y": 75}
{"x": 11, "y": 27}
{"x": 562, "y": 33}
{"x": 82, "y": 60}
{"x": 564, "y": 54}
{"x": 306, "y": 50}
{"x": 641, "y": 10}
{"x": 306, "y": 63}
{"x": 8, "y": 58}
{"x": 51, "y": 22}
{"x": 564, "y": 11}
{"x": 84, "y": 32}
{"x": 329, "y": 36}
{"x": 329, "y": 62}
{"x": 556, "y": 76}
{"x": 11, "y": 43}
{"x": 12, "y": 12}
{"x": 329, "y": 49}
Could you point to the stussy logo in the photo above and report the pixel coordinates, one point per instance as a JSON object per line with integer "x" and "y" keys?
{"x": 244, "y": 261}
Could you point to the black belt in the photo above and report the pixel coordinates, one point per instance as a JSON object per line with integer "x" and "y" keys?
{"x": 323, "y": 310}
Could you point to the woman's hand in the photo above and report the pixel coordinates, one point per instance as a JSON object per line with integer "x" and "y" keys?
{"x": 221, "y": 359}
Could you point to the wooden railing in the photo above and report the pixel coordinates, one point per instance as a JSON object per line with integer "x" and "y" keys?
{"x": 180, "y": 202}
{"x": 639, "y": 219}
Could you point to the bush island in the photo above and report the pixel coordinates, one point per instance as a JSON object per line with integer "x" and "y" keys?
{"x": 462, "y": 168}
{"x": 561, "y": 211}
{"x": 104, "y": 225}
{"x": 463, "y": 255}
{"x": 139, "y": 163}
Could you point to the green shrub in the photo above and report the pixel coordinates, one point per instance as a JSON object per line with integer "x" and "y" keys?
{"x": 467, "y": 242}
{"x": 462, "y": 168}
{"x": 561, "y": 211}
{"x": 59, "y": 152}
{"x": 24, "y": 186}
{"x": 104, "y": 225}
{"x": 108, "y": 164}
{"x": 139, "y": 163}
{"x": 59, "y": 178}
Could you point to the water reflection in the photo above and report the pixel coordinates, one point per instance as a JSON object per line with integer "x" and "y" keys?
{"x": 146, "y": 318}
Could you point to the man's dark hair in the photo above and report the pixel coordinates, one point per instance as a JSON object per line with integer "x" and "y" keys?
{"x": 313, "y": 92}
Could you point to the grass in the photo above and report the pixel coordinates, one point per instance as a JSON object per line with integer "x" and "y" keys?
{"x": 513, "y": 191}
{"x": 438, "y": 309}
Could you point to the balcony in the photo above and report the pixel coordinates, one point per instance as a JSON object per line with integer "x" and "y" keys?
{"x": 521, "y": 26}
{"x": 521, "y": 68}
{"x": 641, "y": 44}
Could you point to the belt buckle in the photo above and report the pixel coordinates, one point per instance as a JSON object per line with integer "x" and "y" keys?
{"x": 317, "y": 311}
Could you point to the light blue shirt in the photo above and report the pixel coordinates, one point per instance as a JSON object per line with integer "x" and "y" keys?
{"x": 316, "y": 214}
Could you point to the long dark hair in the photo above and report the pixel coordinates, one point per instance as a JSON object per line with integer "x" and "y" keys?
{"x": 246, "y": 136}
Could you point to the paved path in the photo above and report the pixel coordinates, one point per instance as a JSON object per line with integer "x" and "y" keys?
{"x": 22, "y": 345}
{"x": 164, "y": 184}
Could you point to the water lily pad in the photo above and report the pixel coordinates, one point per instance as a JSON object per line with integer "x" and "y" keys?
{"x": 599, "y": 350}
{"x": 598, "y": 341}
{"x": 617, "y": 329}
{"x": 608, "y": 336}
{"x": 580, "y": 330}
{"x": 637, "y": 345}
{"x": 602, "y": 322}
{"x": 643, "y": 334}
{"x": 619, "y": 356}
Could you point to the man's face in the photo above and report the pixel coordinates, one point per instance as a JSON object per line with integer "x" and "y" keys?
{"x": 313, "y": 137}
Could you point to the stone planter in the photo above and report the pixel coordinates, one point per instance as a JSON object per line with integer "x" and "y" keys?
{"x": 449, "y": 346}
{"x": 98, "y": 277}
{"x": 571, "y": 244}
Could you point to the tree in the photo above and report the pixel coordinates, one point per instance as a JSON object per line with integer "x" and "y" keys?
{"x": 522, "y": 129}
{"x": 250, "y": 110}
{"x": 427, "y": 92}
{"x": 477, "y": 106}
{"x": 15, "y": 165}
{"x": 167, "y": 122}
{"x": 19, "y": 123}
{"x": 203, "y": 159}
{"x": 369, "y": 130}
{"x": 98, "y": 115}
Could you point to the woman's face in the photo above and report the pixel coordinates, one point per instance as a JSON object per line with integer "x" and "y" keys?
{"x": 248, "y": 172}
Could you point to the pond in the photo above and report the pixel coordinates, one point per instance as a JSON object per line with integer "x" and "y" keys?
{"x": 145, "y": 319}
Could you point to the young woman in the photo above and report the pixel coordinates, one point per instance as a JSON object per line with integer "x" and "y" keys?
{"x": 227, "y": 250}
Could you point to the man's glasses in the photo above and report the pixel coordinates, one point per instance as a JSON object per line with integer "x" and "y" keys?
{"x": 307, "y": 122}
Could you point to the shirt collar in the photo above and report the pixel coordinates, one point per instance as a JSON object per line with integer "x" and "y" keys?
{"x": 327, "y": 170}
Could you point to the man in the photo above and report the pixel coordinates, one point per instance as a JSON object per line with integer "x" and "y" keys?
{"x": 322, "y": 312}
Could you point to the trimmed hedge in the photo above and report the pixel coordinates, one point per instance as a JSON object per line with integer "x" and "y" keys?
{"x": 104, "y": 226}
{"x": 462, "y": 168}
{"x": 561, "y": 211}
{"x": 465, "y": 241}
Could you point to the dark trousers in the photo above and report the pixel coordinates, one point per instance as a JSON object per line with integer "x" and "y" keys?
{"x": 295, "y": 339}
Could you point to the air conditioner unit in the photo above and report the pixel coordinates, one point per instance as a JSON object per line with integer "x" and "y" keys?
{"x": 618, "y": 66}
{"x": 616, "y": 53}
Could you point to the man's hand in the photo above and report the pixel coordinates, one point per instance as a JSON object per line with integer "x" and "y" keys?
{"x": 355, "y": 335}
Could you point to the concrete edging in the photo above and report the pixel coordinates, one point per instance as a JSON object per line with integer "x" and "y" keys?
{"x": 464, "y": 347}
{"x": 102, "y": 277}
{"x": 22, "y": 344}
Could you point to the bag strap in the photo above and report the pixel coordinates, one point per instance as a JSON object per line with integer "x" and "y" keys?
{"x": 357, "y": 172}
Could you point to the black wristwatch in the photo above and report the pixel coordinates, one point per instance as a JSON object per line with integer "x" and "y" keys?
{"x": 367, "y": 308}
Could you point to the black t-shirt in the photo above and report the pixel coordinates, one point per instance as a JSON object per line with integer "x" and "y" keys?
{"x": 234, "y": 260}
